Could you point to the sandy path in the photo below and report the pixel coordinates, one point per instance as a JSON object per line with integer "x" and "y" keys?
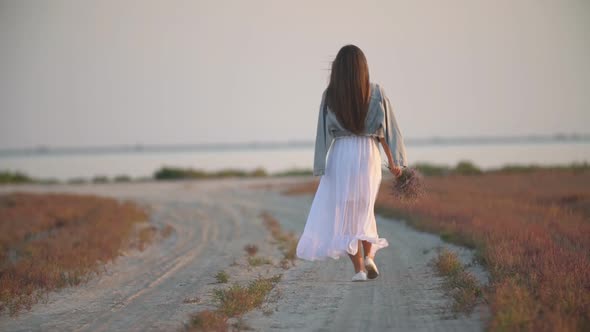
{"x": 213, "y": 220}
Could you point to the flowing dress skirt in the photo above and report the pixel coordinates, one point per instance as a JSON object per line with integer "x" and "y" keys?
{"x": 342, "y": 211}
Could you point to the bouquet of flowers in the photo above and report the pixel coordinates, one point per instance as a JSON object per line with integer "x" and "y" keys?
{"x": 408, "y": 186}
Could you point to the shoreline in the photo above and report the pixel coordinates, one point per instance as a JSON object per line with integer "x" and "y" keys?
{"x": 179, "y": 173}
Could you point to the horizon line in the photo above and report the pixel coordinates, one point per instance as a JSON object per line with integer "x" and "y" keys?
{"x": 293, "y": 143}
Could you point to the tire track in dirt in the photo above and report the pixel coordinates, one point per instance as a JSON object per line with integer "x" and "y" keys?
{"x": 202, "y": 224}
{"x": 191, "y": 249}
{"x": 208, "y": 232}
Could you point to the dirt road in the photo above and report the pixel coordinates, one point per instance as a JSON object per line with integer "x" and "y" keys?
{"x": 213, "y": 220}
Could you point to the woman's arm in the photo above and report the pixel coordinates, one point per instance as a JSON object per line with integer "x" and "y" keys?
{"x": 395, "y": 170}
{"x": 393, "y": 135}
{"x": 323, "y": 140}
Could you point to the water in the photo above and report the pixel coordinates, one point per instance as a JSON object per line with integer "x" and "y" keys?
{"x": 139, "y": 164}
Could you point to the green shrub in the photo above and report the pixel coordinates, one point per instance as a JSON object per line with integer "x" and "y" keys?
{"x": 170, "y": 173}
{"x": 100, "y": 179}
{"x": 14, "y": 177}
{"x": 257, "y": 261}
{"x": 431, "y": 169}
{"x": 222, "y": 277}
{"x": 259, "y": 172}
{"x": 48, "y": 181}
{"x": 77, "y": 180}
{"x": 237, "y": 300}
{"x": 122, "y": 178}
{"x": 466, "y": 167}
{"x": 295, "y": 172}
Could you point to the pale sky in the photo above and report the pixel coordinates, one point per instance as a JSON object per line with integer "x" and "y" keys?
{"x": 79, "y": 73}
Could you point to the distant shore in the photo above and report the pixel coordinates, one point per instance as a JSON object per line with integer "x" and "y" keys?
{"x": 464, "y": 167}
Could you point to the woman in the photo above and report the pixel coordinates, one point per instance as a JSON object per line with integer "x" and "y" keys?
{"x": 354, "y": 116}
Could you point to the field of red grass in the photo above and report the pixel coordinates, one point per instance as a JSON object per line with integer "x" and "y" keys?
{"x": 531, "y": 230}
{"x": 48, "y": 241}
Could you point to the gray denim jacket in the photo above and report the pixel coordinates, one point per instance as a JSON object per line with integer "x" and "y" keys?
{"x": 380, "y": 122}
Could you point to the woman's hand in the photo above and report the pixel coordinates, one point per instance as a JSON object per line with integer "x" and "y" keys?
{"x": 395, "y": 170}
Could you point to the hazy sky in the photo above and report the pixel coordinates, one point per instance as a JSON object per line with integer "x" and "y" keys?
{"x": 158, "y": 72}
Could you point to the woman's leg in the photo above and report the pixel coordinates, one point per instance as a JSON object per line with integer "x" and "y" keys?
{"x": 357, "y": 260}
{"x": 372, "y": 271}
{"x": 367, "y": 248}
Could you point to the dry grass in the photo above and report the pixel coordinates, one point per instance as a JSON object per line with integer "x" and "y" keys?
{"x": 462, "y": 285}
{"x": 251, "y": 249}
{"x": 166, "y": 231}
{"x": 447, "y": 263}
{"x": 237, "y": 300}
{"x": 287, "y": 241}
{"x": 49, "y": 241}
{"x": 208, "y": 320}
{"x": 257, "y": 261}
{"x": 531, "y": 230}
{"x": 222, "y": 277}
{"x": 290, "y": 249}
{"x": 233, "y": 302}
{"x": 146, "y": 235}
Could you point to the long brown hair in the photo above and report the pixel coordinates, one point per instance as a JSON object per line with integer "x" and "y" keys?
{"x": 349, "y": 90}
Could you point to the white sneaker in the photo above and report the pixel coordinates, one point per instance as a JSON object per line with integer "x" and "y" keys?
{"x": 361, "y": 276}
{"x": 372, "y": 271}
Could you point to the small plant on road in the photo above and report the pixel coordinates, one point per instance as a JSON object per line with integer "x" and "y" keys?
{"x": 462, "y": 285}
{"x": 233, "y": 302}
{"x": 257, "y": 261}
{"x": 237, "y": 299}
{"x": 222, "y": 277}
{"x": 251, "y": 249}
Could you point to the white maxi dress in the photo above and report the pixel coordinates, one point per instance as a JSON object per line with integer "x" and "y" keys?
{"x": 342, "y": 211}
